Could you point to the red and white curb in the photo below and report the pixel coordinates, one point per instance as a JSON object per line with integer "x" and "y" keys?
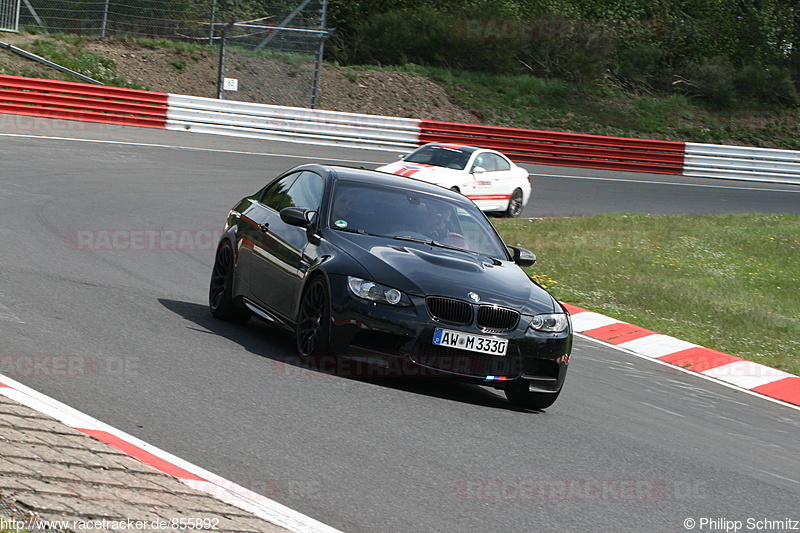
{"x": 187, "y": 473}
{"x": 729, "y": 369}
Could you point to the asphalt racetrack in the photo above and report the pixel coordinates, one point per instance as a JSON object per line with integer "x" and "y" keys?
{"x": 108, "y": 237}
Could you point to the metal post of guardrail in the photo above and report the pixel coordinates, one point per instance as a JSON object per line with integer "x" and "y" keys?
{"x": 221, "y": 71}
{"x": 320, "y": 52}
{"x": 105, "y": 21}
{"x": 213, "y": 18}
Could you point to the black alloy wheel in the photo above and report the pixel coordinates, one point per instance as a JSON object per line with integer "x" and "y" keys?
{"x": 515, "y": 204}
{"x": 313, "y": 320}
{"x": 220, "y": 290}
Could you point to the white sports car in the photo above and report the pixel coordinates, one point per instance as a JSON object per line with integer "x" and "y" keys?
{"x": 486, "y": 177}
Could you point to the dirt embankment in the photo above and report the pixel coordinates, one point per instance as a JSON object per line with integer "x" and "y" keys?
{"x": 261, "y": 80}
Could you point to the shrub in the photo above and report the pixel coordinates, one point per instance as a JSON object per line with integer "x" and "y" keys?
{"x": 709, "y": 80}
{"x": 424, "y": 36}
{"x": 772, "y": 85}
{"x": 637, "y": 65}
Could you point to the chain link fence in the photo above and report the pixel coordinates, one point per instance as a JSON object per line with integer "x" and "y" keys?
{"x": 270, "y": 51}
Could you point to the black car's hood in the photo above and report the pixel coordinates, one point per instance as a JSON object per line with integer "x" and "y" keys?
{"x": 426, "y": 270}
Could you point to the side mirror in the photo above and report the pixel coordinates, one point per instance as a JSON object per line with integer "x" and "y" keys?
{"x": 478, "y": 170}
{"x": 522, "y": 257}
{"x": 401, "y": 157}
{"x": 297, "y": 216}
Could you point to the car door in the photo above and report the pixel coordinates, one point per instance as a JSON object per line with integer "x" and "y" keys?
{"x": 502, "y": 175}
{"x": 498, "y": 179}
{"x": 252, "y": 214}
{"x": 279, "y": 260}
{"x": 483, "y": 184}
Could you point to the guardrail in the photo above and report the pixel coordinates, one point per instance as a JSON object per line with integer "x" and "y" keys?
{"x": 262, "y": 121}
{"x": 742, "y": 163}
{"x": 563, "y": 149}
{"x": 82, "y": 101}
{"x": 94, "y": 103}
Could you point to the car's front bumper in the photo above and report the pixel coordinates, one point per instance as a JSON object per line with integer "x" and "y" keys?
{"x": 399, "y": 340}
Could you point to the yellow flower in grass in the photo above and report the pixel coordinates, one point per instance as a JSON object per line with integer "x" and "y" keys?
{"x": 544, "y": 280}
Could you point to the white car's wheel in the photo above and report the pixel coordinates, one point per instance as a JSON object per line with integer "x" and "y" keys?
{"x": 515, "y": 206}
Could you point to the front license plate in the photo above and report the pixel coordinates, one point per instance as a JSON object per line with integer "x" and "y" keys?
{"x": 467, "y": 341}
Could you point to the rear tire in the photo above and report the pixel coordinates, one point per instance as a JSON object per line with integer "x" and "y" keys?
{"x": 314, "y": 320}
{"x": 515, "y": 206}
{"x": 220, "y": 290}
{"x": 519, "y": 395}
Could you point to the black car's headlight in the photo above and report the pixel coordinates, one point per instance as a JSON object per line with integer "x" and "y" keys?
{"x": 550, "y": 322}
{"x": 375, "y": 292}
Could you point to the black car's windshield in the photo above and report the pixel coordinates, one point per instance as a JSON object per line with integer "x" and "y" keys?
{"x": 447, "y": 156}
{"x": 412, "y": 216}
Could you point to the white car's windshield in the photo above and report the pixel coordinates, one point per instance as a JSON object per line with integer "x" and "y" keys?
{"x": 413, "y": 216}
{"x": 440, "y": 156}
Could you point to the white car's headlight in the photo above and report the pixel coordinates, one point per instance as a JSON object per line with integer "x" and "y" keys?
{"x": 375, "y": 292}
{"x": 550, "y": 322}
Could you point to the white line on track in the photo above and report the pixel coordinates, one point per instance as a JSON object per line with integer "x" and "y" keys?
{"x": 664, "y": 410}
{"x": 673, "y": 183}
{"x": 317, "y": 158}
{"x": 194, "y": 148}
{"x": 771, "y": 474}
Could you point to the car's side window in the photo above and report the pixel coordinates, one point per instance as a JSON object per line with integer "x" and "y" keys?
{"x": 305, "y": 192}
{"x": 499, "y": 163}
{"x": 273, "y": 195}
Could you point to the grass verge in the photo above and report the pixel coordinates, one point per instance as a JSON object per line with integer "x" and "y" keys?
{"x": 68, "y": 51}
{"x": 726, "y": 282}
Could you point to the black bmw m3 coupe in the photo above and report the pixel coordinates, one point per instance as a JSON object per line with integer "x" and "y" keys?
{"x": 364, "y": 265}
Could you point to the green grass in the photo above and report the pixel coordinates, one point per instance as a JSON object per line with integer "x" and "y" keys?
{"x": 727, "y": 282}
{"x": 156, "y": 43}
{"x": 178, "y": 66}
{"x": 74, "y": 57}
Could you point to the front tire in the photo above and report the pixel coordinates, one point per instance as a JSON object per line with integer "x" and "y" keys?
{"x": 519, "y": 395}
{"x": 220, "y": 290}
{"x": 515, "y": 206}
{"x": 314, "y": 320}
